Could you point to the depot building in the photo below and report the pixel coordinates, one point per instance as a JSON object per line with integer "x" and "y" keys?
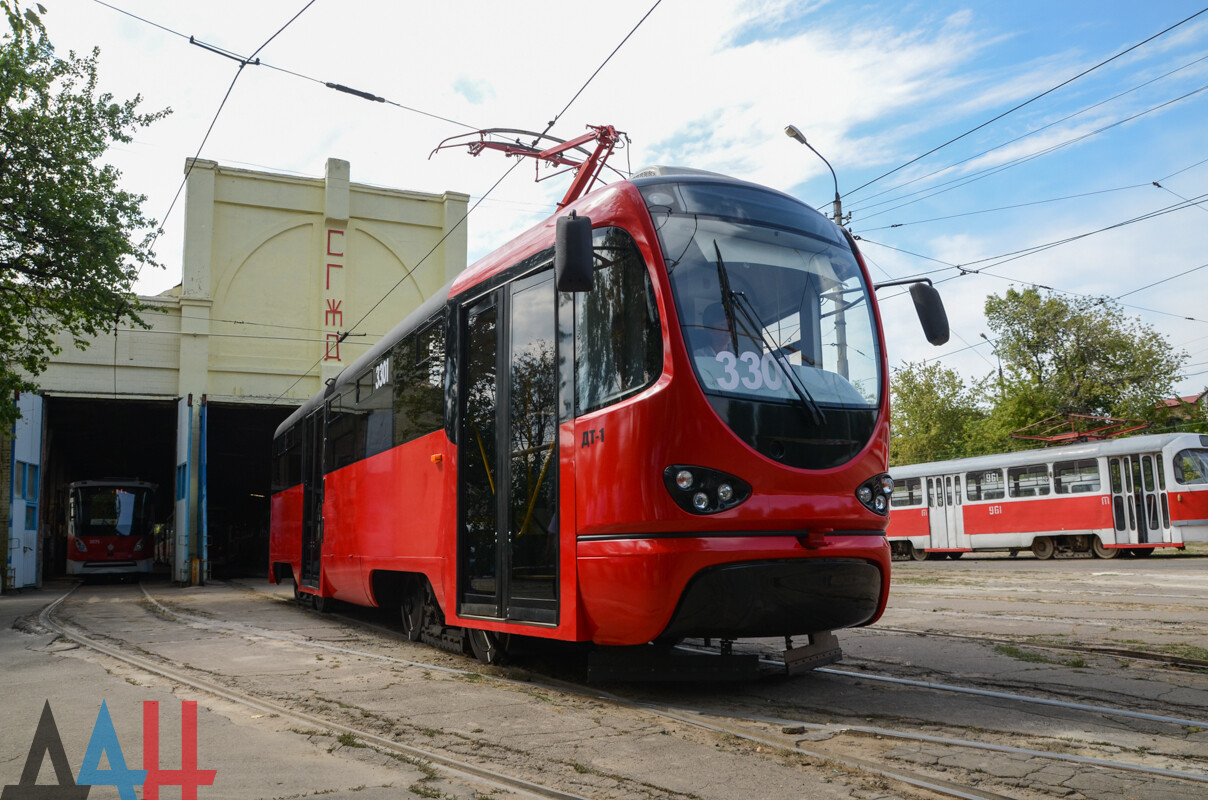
{"x": 285, "y": 280}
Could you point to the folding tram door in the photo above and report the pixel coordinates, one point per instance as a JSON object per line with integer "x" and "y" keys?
{"x": 508, "y": 548}
{"x": 1140, "y": 507}
{"x": 944, "y": 513}
{"x": 312, "y": 496}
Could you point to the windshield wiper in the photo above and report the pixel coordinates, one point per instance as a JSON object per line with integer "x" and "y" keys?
{"x": 739, "y": 301}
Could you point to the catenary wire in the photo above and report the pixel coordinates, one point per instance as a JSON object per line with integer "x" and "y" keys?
{"x": 1029, "y": 101}
{"x": 965, "y": 180}
{"x": 857, "y": 204}
{"x": 1009, "y": 208}
{"x": 602, "y": 65}
{"x": 190, "y": 164}
{"x": 460, "y": 222}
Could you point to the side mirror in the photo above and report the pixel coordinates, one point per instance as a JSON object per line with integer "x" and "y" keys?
{"x": 574, "y": 262}
{"x": 931, "y": 312}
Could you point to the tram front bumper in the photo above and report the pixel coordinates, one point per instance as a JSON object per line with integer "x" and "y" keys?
{"x": 637, "y": 589}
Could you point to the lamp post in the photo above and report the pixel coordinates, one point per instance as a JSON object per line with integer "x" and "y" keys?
{"x": 792, "y": 132}
{"x": 996, "y": 358}
{"x": 840, "y": 318}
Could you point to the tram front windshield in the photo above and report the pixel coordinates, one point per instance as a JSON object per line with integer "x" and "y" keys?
{"x": 776, "y": 316}
{"x": 112, "y": 511}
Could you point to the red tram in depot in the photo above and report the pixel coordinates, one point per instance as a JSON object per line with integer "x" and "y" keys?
{"x": 660, "y": 415}
{"x": 1129, "y": 495}
{"x": 110, "y": 527}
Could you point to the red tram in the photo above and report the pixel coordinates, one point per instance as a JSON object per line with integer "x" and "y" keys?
{"x": 110, "y": 527}
{"x": 1129, "y": 495}
{"x": 663, "y": 415}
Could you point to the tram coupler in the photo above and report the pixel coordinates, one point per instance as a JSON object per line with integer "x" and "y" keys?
{"x": 665, "y": 664}
{"x": 823, "y": 649}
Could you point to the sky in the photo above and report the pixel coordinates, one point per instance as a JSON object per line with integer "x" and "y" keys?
{"x": 1031, "y": 151}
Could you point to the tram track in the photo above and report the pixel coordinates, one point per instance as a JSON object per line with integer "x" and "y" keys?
{"x": 455, "y": 767}
{"x": 936, "y": 786}
{"x": 724, "y": 722}
{"x": 1181, "y": 662}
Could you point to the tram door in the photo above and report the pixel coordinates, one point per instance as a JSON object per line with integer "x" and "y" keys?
{"x": 312, "y": 496}
{"x": 1140, "y": 507}
{"x": 508, "y": 459}
{"x": 944, "y": 513}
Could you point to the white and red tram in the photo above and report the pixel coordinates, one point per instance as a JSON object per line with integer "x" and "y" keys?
{"x": 1122, "y": 495}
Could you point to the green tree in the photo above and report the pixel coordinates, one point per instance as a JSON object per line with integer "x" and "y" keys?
{"x": 1064, "y": 355}
{"x": 68, "y": 257}
{"x": 935, "y": 414}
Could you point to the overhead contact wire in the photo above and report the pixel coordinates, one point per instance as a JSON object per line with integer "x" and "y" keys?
{"x": 1029, "y": 101}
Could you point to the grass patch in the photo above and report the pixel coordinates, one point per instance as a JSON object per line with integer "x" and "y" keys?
{"x": 1186, "y": 651}
{"x": 350, "y": 740}
{"x": 1011, "y": 651}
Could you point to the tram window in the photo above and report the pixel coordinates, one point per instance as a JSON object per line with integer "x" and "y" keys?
{"x": 345, "y": 437}
{"x": 984, "y": 485}
{"x": 1151, "y": 510}
{"x": 418, "y": 364}
{"x": 1029, "y": 481}
{"x": 948, "y": 490}
{"x": 1076, "y": 477}
{"x": 1191, "y": 467}
{"x": 618, "y": 337}
{"x": 1147, "y": 472}
{"x": 287, "y": 460}
{"x": 930, "y": 494}
{"x": 1118, "y": 511}
{"x": 1161, "y": 474}
{"x": 957, "y": 481}
{"x": 1117, "y": 481}
{"x": 907, "y": 493}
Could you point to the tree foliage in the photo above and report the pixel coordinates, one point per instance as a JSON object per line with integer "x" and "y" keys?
{"x": 68, "y": 256}
{"x": 934, "y": 414}
{"x": 1058, "y": 355}
{"x": 1075, "y": 355}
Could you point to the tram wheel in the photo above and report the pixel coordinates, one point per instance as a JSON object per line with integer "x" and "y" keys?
{"x": 1141, "y": 552}
{"x": 414, "y": 598}
{"x": 1099, "y": 551}
{"x": 323, "y": 605}
{"x": 489, "y": 647}
{"x": 917, "y": 553}
{"x": 1043, "y": 548}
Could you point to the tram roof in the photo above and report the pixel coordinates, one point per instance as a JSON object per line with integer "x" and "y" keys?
{"x": 607, "y": 200}
{"x": 1148, "y": 443}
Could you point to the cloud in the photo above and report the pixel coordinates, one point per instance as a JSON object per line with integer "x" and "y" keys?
{"x": 475, "y": 91}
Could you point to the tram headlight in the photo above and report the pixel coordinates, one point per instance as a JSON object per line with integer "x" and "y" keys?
{"x": 700, "y": 490}
{"x": 875, "y": 492}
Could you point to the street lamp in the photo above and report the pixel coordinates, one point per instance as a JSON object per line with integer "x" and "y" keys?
{"x": 998, "y": 359}
{"x": 792, "y": 132}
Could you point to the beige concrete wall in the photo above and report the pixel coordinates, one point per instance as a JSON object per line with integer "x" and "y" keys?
{"x": 275, "y": 267}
